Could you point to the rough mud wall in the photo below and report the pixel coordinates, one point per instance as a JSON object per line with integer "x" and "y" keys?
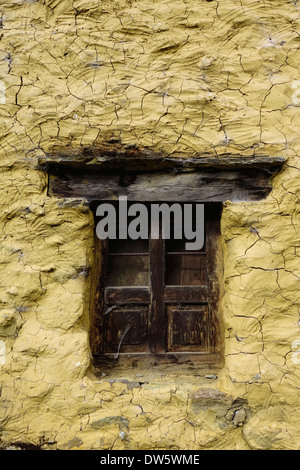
{"x": 180, "y": 78}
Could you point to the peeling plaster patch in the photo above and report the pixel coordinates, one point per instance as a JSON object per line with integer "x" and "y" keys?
{"x": 295, "y": 95}
{"x": 2, "y": 352}
{"x": 296, "y": 354}
{"x": 271, "y": 42}
{"x": 121, "y": 421}
{"x": 2, "y": 92}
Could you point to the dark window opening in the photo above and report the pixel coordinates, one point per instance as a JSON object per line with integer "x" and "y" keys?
{"x": 158, "y": 303}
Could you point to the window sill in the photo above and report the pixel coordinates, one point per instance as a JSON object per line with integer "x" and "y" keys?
{"x": 157, "y": 364}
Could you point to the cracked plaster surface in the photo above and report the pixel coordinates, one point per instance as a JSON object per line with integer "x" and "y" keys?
{"x": 181, "y": 78}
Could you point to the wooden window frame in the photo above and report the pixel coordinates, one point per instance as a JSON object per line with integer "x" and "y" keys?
{"x": 161, "y": 299}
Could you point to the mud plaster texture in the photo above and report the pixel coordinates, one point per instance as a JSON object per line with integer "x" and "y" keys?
{"x": 181, "y": 78}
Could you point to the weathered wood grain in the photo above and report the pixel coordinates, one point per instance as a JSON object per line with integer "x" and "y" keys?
{"x": 192, "y": 363}
{"x": 185, "y": 294}
{"x": 115, "y": 295}
{"x": 118, "y": 158}
{"x": 200, "y": 186}
{"x": 157, "y": 320}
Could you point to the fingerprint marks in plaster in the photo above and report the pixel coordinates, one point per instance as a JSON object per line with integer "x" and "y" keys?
{"x": 2, "y": 352}
{"x": 296, "y": 94}
{"x": 296, "y": 354}
{"x": 2, "y": 92}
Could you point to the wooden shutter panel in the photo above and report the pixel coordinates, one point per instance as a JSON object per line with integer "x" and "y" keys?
{"x": 187, "y": 328}
{"x": 172, "y": 319}
{"x": 126, "y": 329}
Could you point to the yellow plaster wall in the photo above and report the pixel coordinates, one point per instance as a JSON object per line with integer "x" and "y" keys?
{"x": 181, "y": 78}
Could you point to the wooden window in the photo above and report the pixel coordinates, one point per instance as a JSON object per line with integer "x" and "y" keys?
{"x": 154, "y": 303}
{"x": 158, "y": 303}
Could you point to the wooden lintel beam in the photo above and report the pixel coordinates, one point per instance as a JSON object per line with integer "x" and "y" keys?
{"x": 198, "y": 186}
{"x": 134, "y": 163}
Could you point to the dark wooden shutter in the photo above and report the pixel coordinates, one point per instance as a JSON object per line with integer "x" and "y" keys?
{"x": 191, "y": 292}
{"x": 159, "y": 300}
{"x": 125, "y": 311}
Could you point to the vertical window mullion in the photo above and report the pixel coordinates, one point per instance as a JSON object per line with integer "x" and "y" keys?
{"x": 157, "y": 318}
{"x": 213, "y": 230}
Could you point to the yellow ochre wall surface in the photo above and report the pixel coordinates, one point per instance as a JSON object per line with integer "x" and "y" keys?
{"x": 181, "y": 78}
